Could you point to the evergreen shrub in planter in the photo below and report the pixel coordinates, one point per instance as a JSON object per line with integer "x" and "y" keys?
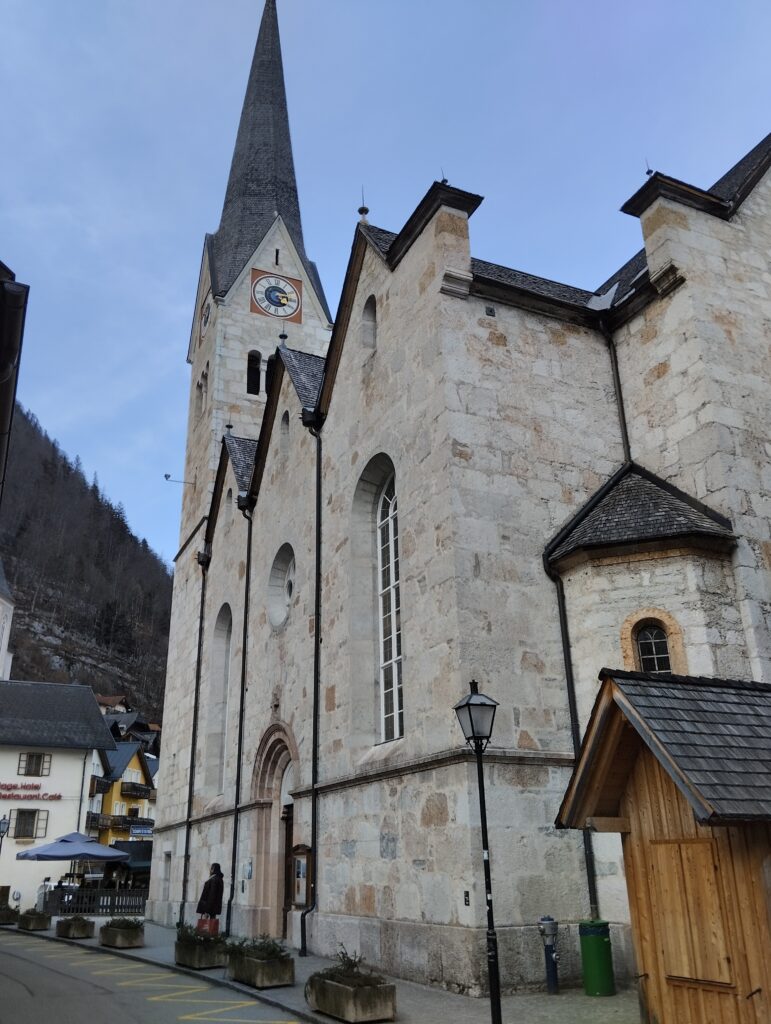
{"x": 261, "y": 963}
{"x": 9, "y": 915}
{"x": 75, "y": 927}
{"x": 201, "y": 952}
{"x": 33, "y": 920}
{"x": 123, "y": 933}
{"x": 348, "y": 993}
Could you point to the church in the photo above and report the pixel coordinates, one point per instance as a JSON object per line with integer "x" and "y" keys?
{"x": 473, "y": 473}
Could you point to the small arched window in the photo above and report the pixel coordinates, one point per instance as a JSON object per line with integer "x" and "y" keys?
{"x": 369, "y": 323}
{"x": 653, "y": 649}
{"x": 253, "y": 365}
{"x": 391, "y": 703}
{"x": 229, "y": 508}
{"x": 285, "y": 432}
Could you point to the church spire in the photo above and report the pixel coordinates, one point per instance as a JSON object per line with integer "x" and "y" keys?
{"x": 262, "y": 180}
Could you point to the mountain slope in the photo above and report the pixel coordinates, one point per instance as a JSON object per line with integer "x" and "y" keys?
{"x": 92, "y": 600}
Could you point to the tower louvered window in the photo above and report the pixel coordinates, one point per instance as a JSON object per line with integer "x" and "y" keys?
{"x": 391, "y": 707}
{"x": 253, "y": 371}
{"x": 653, "y": 650}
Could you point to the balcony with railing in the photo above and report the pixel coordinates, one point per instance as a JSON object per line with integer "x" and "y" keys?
{"x": 137, "y": 789}
{"x": 124, "y": 822}
{"x": 98, "y": 821}
{"x": 98, "y": 785}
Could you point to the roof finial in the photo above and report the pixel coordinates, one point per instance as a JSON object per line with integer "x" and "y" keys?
{"x": 648, "y": 168}
{"x": 363, "y": 209}
{"x": 444, "y": 179}
{"x": 282, "y": 337}
{"x": 228, "y": 427}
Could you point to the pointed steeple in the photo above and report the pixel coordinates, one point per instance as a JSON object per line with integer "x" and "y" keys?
{"x": 262, "y": 179}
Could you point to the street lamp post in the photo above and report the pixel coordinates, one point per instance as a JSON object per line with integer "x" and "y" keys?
{"x": 4, "y": 823}
{"x": 476, "y": 714}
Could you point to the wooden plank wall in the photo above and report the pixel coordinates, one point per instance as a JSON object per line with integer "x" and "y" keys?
{"x": 695, "y": 913}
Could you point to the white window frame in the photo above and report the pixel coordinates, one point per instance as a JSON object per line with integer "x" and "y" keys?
{"x": 389, "y": 615}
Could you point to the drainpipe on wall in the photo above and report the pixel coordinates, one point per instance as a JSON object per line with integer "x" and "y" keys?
{"x": 575, "y": 730}
{"x": 82, "y": 787}
{"x": 608, "y": 336}
{"x": 312, "y": 421}
{"x": 204, "y": 558}
{"x": 245, "y": 506}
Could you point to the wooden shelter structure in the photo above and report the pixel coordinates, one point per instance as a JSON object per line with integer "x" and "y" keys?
{"x": 680, "y": 766}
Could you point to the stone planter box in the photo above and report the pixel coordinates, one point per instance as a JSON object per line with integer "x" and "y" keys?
{"x": 34, "y": 922}
{"x": 121, "y": 938}
{"x": 8, "y": 915}
{"x": 261, "y": 973}
{"x": 67, "y": 929}
{"x": 199, "y": 957}
{"x": 353, "y": 1003}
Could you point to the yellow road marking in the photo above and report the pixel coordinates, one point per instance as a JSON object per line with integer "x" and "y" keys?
{"x": 177, "y": 997}
{"x": 149, "y": 980}
{"x": 121, "y": 968}
{"x": 228, "y": 1007}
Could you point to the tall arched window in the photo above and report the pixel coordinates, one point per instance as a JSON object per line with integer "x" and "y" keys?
{"x": 253, "y": 364}
{"x": 369, "y": 323}
{"x": 653, "y": 649}
{"x": 216, "y": 722}
{"x": 391, "y": 706}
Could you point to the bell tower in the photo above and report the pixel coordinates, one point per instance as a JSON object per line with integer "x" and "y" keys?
{"x": 256, "y": 280}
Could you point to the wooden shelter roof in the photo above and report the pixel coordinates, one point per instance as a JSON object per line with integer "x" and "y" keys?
{"x": 711, "y": 736}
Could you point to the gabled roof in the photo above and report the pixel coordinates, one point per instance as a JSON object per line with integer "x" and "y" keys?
{"x": 636, "y": 507}
{"x": 51, "y": 715}
{"x": 711, "y": 736}
{"x": 119, "y": 759}
{"x": 306, "y": 372}
{"x": 630, "y": 285}
{"x": 241, "y": 452}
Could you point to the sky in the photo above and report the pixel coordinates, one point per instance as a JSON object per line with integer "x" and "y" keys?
{"x": 118, "y": 124}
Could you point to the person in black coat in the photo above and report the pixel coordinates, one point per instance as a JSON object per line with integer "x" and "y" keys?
{"x": 210, "y": 903}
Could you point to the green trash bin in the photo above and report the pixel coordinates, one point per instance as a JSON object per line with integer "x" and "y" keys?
{"x": 597, "y": 958}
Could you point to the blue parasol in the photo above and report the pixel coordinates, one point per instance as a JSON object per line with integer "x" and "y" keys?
{"x": 73, "y": 846}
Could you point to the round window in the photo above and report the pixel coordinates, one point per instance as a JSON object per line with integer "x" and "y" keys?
{"x": 281, "y": 586}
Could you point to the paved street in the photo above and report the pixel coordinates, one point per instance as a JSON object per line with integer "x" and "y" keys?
{"x": 50, "y": 982}
{"x": 42, "y": 979}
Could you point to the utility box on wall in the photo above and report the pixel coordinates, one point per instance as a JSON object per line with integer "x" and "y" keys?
{"x": 301, "y": 856}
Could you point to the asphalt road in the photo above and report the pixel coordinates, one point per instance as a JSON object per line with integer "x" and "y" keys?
{"x": 44, "y": 982}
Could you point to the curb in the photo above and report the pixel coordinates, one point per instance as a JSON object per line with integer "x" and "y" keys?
{"x": 234, "y": 986}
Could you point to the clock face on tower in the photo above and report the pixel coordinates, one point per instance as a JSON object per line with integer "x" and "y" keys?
{"x": 276, "y": 296}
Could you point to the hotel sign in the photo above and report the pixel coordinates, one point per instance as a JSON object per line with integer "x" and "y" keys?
{"x": 25, "y": 791}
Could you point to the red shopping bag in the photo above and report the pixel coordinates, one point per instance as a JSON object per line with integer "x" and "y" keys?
{"x": 208, "y": 926}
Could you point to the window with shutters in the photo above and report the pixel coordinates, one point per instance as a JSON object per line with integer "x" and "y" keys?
{"x": 27, "y": 824}
{"x": 34, "y": 764}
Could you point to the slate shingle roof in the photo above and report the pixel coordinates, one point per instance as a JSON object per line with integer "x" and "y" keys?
{"x": 715, "y": 732}
{"x": 733, "y": 182}
{"x": 52, "y": 715}
{"x": 633, "y": 507}
{"x": 119, "y": 758}
{"x": 241, "y": 451}
{"x": 627, "y": 278}
{"x": 262, "y": 181}
{"x": 306, "y": 372}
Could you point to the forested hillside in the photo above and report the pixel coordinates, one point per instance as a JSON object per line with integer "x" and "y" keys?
{"x": 92, "y": 600}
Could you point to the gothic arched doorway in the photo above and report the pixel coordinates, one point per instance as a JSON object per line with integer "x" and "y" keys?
{"x": 272, "y": 784}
